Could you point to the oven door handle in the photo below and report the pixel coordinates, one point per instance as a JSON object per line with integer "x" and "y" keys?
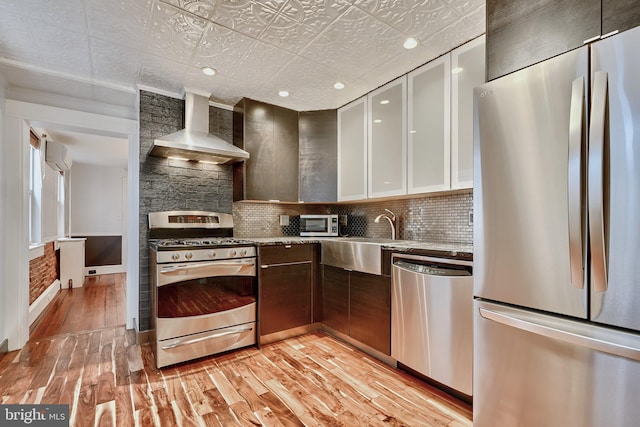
{"x": 182, "y": 267}
{"x": 235, "y": 331}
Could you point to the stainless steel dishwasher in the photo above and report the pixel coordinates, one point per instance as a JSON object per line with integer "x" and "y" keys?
{"x": 432, "y": 318}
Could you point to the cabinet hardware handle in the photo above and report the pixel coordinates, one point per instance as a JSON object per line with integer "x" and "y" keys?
{"x": 592, "y": 39}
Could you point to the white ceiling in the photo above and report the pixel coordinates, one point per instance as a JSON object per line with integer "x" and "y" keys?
{"x": 105, "y": 50}
{"x": 91, "y": 149}
{"x": 99, "y": 53}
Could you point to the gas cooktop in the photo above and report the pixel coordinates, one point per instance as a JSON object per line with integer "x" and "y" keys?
{"x": 199, "y": 243}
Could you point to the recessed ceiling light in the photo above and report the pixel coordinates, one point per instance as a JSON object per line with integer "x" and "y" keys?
{"x": 377, "y": 121}
{"x": 456, "y": 70}
{"x": 209, "y": 71}
{"x": 410, "y": 43}
{"x": 384, "y": 102}
{"x": 283, "y": 93}
{"x": 338, "y": 85}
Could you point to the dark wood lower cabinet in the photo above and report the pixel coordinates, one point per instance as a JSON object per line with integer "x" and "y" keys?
{"x": 358, "y": 305}
{"x": 335, "y": 298}
{"x": 287, "y": 281}
{"x": 285, "y": 297}
{"x": 370, "y": 310}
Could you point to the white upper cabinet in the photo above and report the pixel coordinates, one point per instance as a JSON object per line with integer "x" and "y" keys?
{"x": 429, "y": 127}
{"x": 352, "y": 150}
{"x": 388, "y": 139}
{"x": 467, "y": 72}
{"x": 415, "y": 134}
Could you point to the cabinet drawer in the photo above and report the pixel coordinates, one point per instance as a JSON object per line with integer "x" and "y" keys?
{"x": 282, "y": 254}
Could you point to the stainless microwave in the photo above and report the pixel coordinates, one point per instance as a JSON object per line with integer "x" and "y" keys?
{"x": 319, "y": 225}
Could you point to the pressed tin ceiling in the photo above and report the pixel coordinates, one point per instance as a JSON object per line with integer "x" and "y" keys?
{"x": 105, "y": 50}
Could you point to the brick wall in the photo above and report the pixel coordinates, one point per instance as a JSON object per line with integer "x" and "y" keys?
{"x": 173, "y": 184}
{"x": 43, "y": 272}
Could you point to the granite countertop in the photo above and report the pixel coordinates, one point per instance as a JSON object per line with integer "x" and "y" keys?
{"x": 448, "y": 250}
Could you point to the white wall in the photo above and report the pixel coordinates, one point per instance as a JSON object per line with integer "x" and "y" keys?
{"x": 3, "y": 84}
{"x": 14, "y": 206}
{"x": 96, "y": 200}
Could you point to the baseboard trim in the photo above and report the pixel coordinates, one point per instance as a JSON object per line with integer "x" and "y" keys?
{"x": 4, "y": 346}
{"x": 42, "y": 302}
{"x": 143, "y": 337}
{"x": 362, "y": 347}
{"x": 104, "y": 269}
{"x": 289, "y": 333}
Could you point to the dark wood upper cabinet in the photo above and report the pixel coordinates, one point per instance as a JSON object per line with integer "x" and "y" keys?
{"x": 620, "y": 15}
{"x": 270, "y": 134}
{"x": 318, "y": 155}
{"x": 521, "y": 33}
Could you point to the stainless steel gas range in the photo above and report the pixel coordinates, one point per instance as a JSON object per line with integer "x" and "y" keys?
{"x": 204, "y": 288}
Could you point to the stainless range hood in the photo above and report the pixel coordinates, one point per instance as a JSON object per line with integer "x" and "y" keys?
{"x": 195, "y": 142}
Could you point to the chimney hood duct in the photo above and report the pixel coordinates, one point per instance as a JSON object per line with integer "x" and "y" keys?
{"x": 195, "y": 142}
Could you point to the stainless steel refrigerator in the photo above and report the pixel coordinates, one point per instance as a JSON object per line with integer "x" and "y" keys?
{"x": 557, "y": 241}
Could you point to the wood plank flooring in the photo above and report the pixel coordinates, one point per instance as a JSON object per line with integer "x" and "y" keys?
{"x": 98, "y": 304}
{"x": 80, "y": 354}
{"x": 312, "y": 380}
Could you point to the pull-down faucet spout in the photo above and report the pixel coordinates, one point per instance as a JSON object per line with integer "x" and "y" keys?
{"x": 391, "y": 220}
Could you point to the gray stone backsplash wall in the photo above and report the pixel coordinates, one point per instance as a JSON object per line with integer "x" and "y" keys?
{"x": 442, "y": 218}
{"x": 172, "y": 184}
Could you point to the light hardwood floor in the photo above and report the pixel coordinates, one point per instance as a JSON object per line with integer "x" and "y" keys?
{"x": 99, "y": 303}
{"x": 76, "y": 357}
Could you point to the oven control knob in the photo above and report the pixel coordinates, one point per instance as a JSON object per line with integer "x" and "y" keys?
{"x": 175, "y": 256}
{"x": 188, "y": 255}
{"x": 232, "y": 253}
{"x": 212, "y": 254}
{"x": 243, "y": 252}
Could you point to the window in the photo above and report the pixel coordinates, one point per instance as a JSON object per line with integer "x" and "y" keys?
{"x": 35, "y": 189}
{"x": 60, "y": 205}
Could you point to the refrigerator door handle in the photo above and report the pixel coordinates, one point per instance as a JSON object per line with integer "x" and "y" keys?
{"x": 575, "y": 185}
{"x": 527, "y": 323}
{"x": 597, "y": 157}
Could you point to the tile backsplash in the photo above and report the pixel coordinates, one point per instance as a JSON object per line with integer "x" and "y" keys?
{"x": 442, "y": 218}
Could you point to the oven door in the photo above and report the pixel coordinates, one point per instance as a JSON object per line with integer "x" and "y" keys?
{"x": 182, "y": 272}
{"x": 202, "y": 296}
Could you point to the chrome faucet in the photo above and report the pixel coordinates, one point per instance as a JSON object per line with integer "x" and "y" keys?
{"x": 392, "y": 222}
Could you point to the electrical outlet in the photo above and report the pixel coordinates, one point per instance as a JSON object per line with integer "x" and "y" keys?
{"x": 471, "y": 217}
{"x": 284, "y": 220}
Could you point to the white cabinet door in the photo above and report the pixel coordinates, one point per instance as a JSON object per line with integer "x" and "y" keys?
{"x": 352, "y": 150}
{"x": 429, "y": 127}
{"x": 388, "y": 139}
{"x": 467, "y": 72}
{"x": 72, "y": 262}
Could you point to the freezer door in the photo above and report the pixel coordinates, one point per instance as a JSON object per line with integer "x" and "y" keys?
{"x": 529, "y": 231}
{"x": 535, "y": 370}
{"x": 614, "y": 181}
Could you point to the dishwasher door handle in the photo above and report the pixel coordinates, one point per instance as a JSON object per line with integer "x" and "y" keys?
{"x": 430, "y": 270}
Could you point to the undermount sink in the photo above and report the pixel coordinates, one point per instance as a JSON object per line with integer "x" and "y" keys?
{"x": 358, "y": 254}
